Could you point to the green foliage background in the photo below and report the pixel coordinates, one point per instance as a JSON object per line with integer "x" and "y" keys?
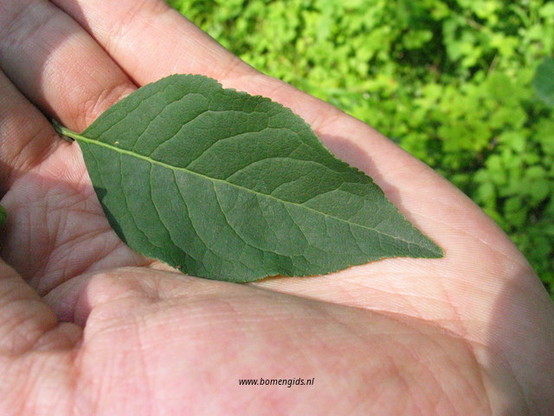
{"x": 464, "y": 85}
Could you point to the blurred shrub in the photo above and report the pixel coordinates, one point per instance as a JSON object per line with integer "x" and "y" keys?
{"x": 465, "y": 85}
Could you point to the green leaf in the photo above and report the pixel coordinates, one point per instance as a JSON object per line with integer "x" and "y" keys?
{"x": 544, "y": 81}
{"x": 224, "y": 185}
{"x": 3, "y": 215}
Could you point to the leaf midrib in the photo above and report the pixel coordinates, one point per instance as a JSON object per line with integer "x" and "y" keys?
{"x": 94, "y": 142}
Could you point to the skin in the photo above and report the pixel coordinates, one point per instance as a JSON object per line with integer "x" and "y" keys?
{"x": 88, "y": 327}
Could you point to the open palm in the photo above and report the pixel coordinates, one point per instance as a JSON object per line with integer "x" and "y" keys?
{"x": 89, "y": 327}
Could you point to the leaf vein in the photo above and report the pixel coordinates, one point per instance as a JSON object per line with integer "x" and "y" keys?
{"x": 241, "y": 188}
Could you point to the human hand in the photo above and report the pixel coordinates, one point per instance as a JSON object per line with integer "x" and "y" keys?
{"x": 89, "y": 327}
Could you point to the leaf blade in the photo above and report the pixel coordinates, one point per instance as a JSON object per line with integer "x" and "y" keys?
{"x": 235, "y": 187}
